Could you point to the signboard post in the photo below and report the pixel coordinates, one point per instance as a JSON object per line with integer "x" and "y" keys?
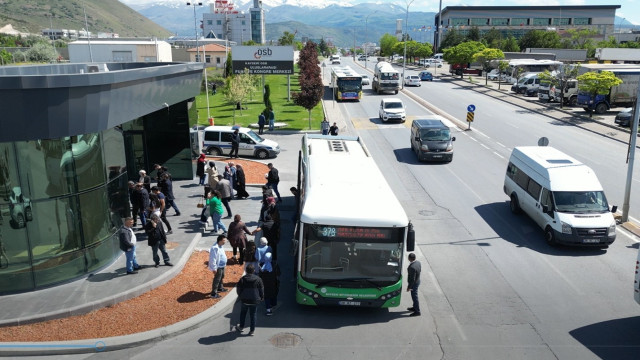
{"x": 470, "y": 114}
{"x": 265, "y": 60}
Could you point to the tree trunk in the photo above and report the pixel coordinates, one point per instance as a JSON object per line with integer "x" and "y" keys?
{"x": 309, "y": 110}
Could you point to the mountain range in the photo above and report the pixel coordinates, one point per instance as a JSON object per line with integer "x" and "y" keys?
{"x": 340, "y": 23}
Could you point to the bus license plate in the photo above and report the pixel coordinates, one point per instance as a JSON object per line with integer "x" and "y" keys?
{"x": 349, "y": 303}
{"x": 591, "y": 241}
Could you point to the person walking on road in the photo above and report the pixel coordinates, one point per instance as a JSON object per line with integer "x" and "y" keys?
{"x": 163, "y": 207}
{"x": 269, "y": 273}
{"x": 250, "y": 292}
{"x": 273, "y": 179}
{"x": 212, "y": 181}
{"x": 226, "y": 193}
{"x": 157, "y": 239}
{"x": 241, "y": 183}
{"x": 217, "y": 263}
{"x": 215, "y": 209}
{"x": 128, "y": 245}
{"x": 413, "y": 280}
{"x": 166, "y": 186}
{"x": 200, "y": 168}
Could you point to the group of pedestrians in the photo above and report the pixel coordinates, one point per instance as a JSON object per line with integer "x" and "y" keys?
{"x": 328, "y": 130}
{"x": 150, "y": 203}
{"x": 269, "y": 116}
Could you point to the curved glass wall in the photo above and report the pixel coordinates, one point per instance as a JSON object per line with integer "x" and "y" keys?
{"x": 61, "y": 203}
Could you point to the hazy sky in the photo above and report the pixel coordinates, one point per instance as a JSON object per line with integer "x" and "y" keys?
{"x": 630, "y": 9}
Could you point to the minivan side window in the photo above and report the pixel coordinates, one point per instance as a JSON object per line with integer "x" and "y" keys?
{"x": 226, "y": 137}
{"x": 533, "y": 189}
{"x": 546, "y": 199}
{"x": 211, "y": 135}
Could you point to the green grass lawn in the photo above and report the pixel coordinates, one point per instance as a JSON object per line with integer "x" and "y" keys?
{"x": 296, "y": 117}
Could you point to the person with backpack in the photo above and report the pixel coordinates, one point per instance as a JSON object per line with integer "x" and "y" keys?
{"x": 250, "y": 292}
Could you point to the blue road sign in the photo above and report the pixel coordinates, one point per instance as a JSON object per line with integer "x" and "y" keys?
{"x": 471, "y": 108}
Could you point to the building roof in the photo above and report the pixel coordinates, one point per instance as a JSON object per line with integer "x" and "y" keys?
{"x": 516, "y": 8}
{"x": 209, "y": 48}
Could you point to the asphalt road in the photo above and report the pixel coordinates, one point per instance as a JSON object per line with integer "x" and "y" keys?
{"x": 492, "y": 289}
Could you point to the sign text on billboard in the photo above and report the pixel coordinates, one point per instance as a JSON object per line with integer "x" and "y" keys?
{"x": 269, "y": 60}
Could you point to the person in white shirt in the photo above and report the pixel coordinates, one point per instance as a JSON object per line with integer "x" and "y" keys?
{"x": 217, "y": 263}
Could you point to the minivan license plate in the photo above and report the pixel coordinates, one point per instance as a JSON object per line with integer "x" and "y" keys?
{"x": 591, "y": 241}
{"x": 349, "y": 303}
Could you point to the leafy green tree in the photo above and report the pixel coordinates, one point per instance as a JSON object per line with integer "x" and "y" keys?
{"x": 387, "y": 41}
{"x": 311, "y": 87}
{"x": 473, "y": 34}
{"x": 560, "y": 78}
{"x": 286, "y": 38}
{"x": 267, "y": 101}
{"x": 250, "y": 43}
{"x": 609, "y": 43}
{"x": 511, "y": 45}
{"x": 462, "y": 53}
{"x": 540, "y": 39}
{"x": 41, "y": 52}
{"x": 486, "y": 57}
{"x": 451, "y": 39}
{"x": 493, "y": 38}
{"x": 228, "y": 66}
{"x": 5, "y": 57}
{"x": 423, "y": 50}
{"x": 237, "y": 89}
{"x": 503, "y": 66}
{"x": 596, "y": 83}
{"x": 322, "y": 47}
{"x": 581, "y": 38}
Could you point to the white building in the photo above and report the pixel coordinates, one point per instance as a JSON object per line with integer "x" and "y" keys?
{"x": 230, "y": 24}
{"x": 83, "y": 51}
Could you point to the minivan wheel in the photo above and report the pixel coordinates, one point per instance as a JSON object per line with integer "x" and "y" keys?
{"x": 549, "y": 237}
{"x": 214, "y": 151}
{"x": 513, "y": 204}
{"x": 262, "y": 154}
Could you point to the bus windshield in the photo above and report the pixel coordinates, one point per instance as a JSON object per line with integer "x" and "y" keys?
{"x": 354, "y": 257}
{"x": 580, "y": 202}
{"x": 350, "y": 85}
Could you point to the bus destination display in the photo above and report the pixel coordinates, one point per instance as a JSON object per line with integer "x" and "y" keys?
{"x": 353, "y": 232}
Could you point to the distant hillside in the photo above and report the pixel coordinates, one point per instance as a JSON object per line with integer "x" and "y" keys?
{"x": 102, "y": 16}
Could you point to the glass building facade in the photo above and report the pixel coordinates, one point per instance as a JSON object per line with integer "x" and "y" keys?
{"x": 63, "y": 197}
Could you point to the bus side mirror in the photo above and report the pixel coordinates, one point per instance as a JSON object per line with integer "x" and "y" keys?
{"x": 411, "y": 238}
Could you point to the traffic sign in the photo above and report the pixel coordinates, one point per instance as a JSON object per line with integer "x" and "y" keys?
{"x": 470, "y": 116}
{"x": 471, "y": 108}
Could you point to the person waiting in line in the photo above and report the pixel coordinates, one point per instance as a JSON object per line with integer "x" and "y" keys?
{"x": 333, "y": 130}
{"x": 237, "y": 237}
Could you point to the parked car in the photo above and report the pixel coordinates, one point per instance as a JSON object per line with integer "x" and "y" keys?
{"x": 412, "y": 80}
{"x": 425, "y": 76}
{"x": 624, "y": 117}
{"x": 365, "y": 80}
{"x": 217, "y": 141}
{"x": 494, "y": 75}
{"x": 20, "y": 208}
{"x": 433, "y": 62}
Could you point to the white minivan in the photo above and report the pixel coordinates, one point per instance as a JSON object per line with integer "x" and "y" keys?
{"x": 217, "y": 141}
{"x": 562, "y": 195}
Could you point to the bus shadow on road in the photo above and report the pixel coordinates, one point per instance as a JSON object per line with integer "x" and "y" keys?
{"x": 613, "y": 339}
{"x": 522, "y": 231}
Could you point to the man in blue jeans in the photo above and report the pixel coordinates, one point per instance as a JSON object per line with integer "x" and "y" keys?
{"x": 128, "y": 245}
{"x": 251, "y": 292}
{"x": 413, "y": 280}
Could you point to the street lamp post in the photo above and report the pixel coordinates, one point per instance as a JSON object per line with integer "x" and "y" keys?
{"x": 195, "y": 26}
{"x": 366, "y": 55}
{"x": 406, "y": 29}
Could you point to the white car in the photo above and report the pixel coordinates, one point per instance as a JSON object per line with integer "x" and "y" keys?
{"x": 494, "y": 75}
{"x": 432, "y": 62}
{"x": 365, "y": 80}
{"x": 392, "y": 109}
{"x": 412, "y": 80}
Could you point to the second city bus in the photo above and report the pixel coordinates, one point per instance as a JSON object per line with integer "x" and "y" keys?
{"x": 352, "y": 230}
{"x": 346, "y": 83}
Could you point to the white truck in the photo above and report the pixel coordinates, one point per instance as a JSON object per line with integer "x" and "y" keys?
{"x": 385, "y": 78}
{"x": 617, "y": 54}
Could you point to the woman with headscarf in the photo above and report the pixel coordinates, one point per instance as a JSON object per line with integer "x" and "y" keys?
{"x": 241, "y": 191}
{"x": 261, "y": 251}
{"x": 269, "y": 273}
{"x": 212, "y": 172}
{"x": 200, "y": 168}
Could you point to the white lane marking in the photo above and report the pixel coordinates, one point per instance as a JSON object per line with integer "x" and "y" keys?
{"x": 500, "y": 156}
{"x": 485, "y": 146}
{"x": 504, "y": 146}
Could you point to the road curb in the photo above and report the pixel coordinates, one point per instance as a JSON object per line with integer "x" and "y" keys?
{"x": 117, "y": 342}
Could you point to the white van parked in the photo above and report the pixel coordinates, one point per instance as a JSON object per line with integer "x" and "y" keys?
{"x": 562, "y": 195}
{"x": 217, "y": 141}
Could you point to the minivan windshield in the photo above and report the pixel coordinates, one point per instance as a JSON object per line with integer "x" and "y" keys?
{"x": 393, "y": 105}
{"x": 435, "y": 135}
{"x": 580, "y": 202}
{"x": 255, "y": 137}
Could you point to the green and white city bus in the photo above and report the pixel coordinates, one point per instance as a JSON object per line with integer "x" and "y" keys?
{"x": 351, "y": 232}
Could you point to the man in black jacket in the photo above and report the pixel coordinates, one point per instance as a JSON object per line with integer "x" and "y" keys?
{"x": 157, "y": 239}
{"x": 251, "y": 292}
{"x": 273, "y": 179}
{"x": 413, "y": 280}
